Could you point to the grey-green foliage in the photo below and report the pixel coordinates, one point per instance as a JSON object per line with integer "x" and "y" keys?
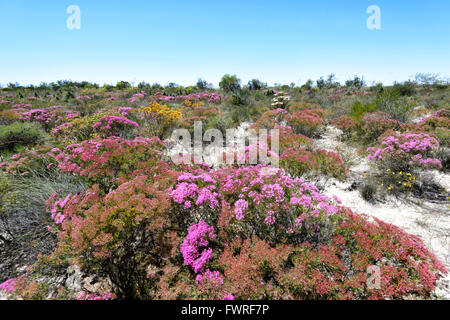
{"x": 23, "y": 201}
{"x": 20, "y": 133}
{"x": 391, "y": 102}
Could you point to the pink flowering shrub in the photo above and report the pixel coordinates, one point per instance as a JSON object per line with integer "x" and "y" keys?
{"x": 196, "y": 253}
{"x": 205, "y": 96}
{"x": 8, "y": 286}
{"x": 368, "y": 128}
{"x": 348, "y": 125}
{"x": 254, "y": 201}
{"x": 49, "y": 117}
{"x": 26, "y": 287}
{"x": 289, "y": 139}
{"x": 307, "y": 271}
{"x": 94, "y": 126}
{"x": 405, "y": 151}
{"x": 438, "y": 125}
{"x": 374, "y": 124}
{"x": 111, "y": 161}
{"x": 113, "y": 125}
{"x": 38, "y": 161}
{"x": 306, "y": 122}
{"x": 270, "y": 118}
{"x": 122, "y": 233}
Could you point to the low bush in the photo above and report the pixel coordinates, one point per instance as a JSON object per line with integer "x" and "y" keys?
{"x": 302, "y": 162}
{"x": 438, "y": 125}
{"x": 390, "y": 101}
{"x": 20, "y": 134}
{"x": 87, "y": 127}
{"x": 110, "y": 162}
{"x": 404, "y": 152}
{"x": 307, "y": 122}
{"x": 358, "y": 109}
{"x": 368, "y": 191}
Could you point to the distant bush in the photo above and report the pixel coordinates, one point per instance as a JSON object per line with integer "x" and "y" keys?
{"x": 407, "y": 88}
{"x": 271, "y": 118}
{"x": 303, "y": 106}
{"x": 230, "y": 83}
{"x": 255, "y": 84}
{"x": 348, "y": 125}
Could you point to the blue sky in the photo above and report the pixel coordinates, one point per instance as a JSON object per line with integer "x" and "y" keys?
{"x": 179, "y": 41}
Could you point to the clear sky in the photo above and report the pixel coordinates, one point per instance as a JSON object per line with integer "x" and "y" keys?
{"x": 166, "y": 41}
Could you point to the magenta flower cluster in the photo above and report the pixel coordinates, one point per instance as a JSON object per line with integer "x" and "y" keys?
{"x": 188, "y": 192}
{"x": 124, "y": 110}
{"x": 62, "y": 126}
{"x": 268, "y": 196}
{"x": 191, "y": 248}
{"x": 406, "y": 148}
{"x": 8, "y": 286}
{"x": 48, "y": 115}
{"x": 83, "y": 97}
{"x": 137, "y": 96}
{"x": 56, "y": 207}
{"x": 108, "y": 122}
{"x": 214, "y": 277}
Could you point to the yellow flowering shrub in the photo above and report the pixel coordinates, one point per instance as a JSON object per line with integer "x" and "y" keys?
{"x": 397, "y": 181}
{"x": 192, "y": 104}
{"x": 161, "y": 112}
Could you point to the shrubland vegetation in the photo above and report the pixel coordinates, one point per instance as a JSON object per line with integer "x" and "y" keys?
{"x": 85, "y": 181}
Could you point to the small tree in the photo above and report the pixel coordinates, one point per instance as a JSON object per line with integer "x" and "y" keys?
{"x": 427, "y": 80}
{"x": 320, "y": 83}
{"x": 230, "y": 83}
{"x": 255, "y": 84}
{"x": 123, "y": 85}
{"x": 356, "y": 82}
{"x": 203, "y": 84}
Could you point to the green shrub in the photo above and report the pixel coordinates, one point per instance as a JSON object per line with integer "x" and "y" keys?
{"x": 302, "y": 162}
{"x": 19, "y": 133}
{"x": 407, "y": 88}
{"x": 359, "y": 109}
{"x": 368, "y": 191}
{"x": 230, "y": 83}
{"x": 391, "y": 102}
